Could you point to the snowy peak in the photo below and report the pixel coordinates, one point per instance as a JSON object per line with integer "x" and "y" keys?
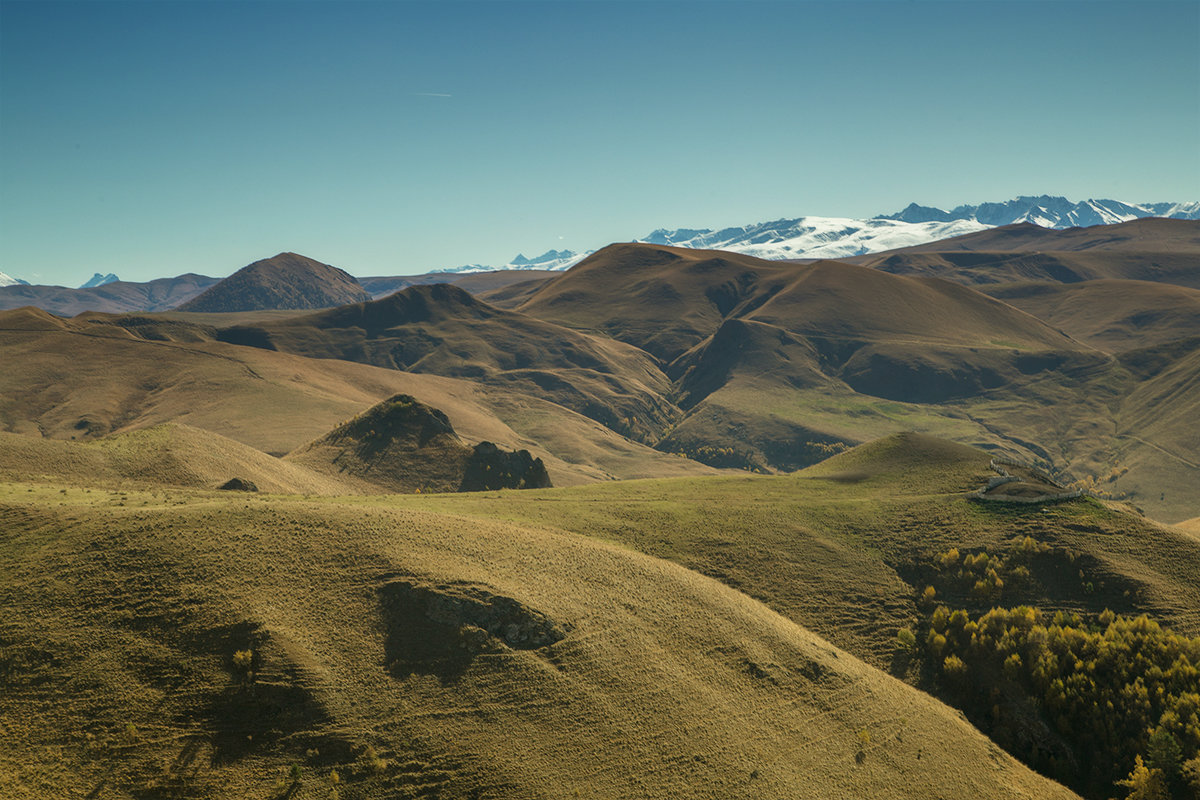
{"x": 549, "y": 260}
{"x": 1050, "y": 212}
{"x": 99, "y": 280}
{"x": 815, "y": 237}
{"x": 840, "y": 237}
{"x": 9, "y": 280}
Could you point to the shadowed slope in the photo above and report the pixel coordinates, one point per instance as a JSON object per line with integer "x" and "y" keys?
{"x": 285, "y": 281}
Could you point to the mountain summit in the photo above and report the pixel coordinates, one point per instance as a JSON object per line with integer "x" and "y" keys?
{"x": 99, "y": 280}
{"x": 1048, "y": 212}
{"x": 287, "y": 281}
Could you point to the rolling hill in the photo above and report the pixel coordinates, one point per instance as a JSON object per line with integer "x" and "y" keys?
{"x": 778, "y": 365}
{"x": 285, "y": 281}
{"x": 190, "y": 645}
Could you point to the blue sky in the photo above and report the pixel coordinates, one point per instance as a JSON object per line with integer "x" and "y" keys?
{"x": 157, "y": 138}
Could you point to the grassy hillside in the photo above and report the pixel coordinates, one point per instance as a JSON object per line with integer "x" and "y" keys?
{"x": 850, "y": 549}
{"x": 169, "y": 454}
{"x": 829, "y": 546}
{"x": 183, "y": 645}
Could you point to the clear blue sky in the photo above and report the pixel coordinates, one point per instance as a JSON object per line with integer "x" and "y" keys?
{"x": 156, "y": 138}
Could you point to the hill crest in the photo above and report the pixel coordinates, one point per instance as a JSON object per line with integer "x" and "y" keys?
{"x": 285, "y": 281}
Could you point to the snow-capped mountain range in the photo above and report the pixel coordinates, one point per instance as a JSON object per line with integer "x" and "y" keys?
{"x": 99, "y": 280}
{"x": 9, "y": 280}
{"x": 815, "y": 237}
{"x": 839, "y": 237}
{"x": 1050, "y": 212}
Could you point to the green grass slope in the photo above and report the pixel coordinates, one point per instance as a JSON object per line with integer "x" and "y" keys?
{"x": 258, "y": 648}
{"x": 849, "y": 547}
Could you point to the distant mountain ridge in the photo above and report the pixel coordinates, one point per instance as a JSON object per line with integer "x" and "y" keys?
{"x": 842, "y": 237}
{"x": 1049, "y": 212}
{"x": 9, "y": 280}
{"x": 115, "y": 297}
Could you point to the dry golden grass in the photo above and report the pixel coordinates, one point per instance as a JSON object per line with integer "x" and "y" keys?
{"x": 126, "y": 611}
{"x": 169, "y": 454}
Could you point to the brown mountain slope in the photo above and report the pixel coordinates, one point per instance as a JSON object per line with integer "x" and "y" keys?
{"x": 833, "y": 300}
{"x": 285, "y": 281}
{"x": 1111, "y": 315}
{"x": 799, "y": 360}
{"x": 664, "y": 300}
{"x": 416, "y": 653}
{"x": 443, "y": 330}
{"x": 87, "y": 377}
{"x": 1151, "y": 234}
{"x": 671, "y": 299}
{"x": 1161, "y": 250}
{"x": 117, "y": 297}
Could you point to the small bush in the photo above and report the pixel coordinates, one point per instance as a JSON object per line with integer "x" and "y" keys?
{"x": 243, "y": 660}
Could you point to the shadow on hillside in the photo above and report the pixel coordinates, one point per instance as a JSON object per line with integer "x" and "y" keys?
{"x": 439, "y": 630}
{"x": 261, "y": 706}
